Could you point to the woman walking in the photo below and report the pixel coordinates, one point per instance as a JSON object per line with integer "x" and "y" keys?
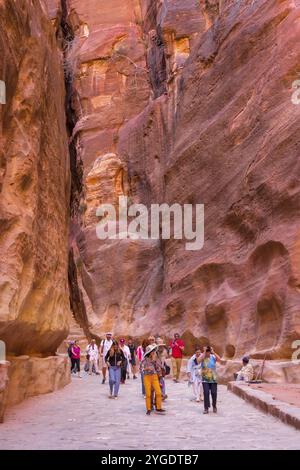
{"x": 151, "y": 370}
{"x": 114, "y": 360}
{"x": 92, "y": 354}
{"x": 75, "y": 358}
{"x": 194, "y": 368}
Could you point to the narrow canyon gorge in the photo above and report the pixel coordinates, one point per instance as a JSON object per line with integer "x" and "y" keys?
{"x": 161, "y": 101}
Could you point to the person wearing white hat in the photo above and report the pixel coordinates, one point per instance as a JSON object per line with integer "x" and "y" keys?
{"x": 105, "y": 346}
{"x": 151, "y": 371}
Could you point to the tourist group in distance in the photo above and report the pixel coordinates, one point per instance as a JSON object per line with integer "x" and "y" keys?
{"x": 121, "y": 360}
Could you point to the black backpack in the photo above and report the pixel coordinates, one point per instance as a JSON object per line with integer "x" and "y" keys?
{"x": 70, "y": 351}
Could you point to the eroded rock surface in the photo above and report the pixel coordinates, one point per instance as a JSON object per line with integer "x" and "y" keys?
{"x": 190, "y": 102}
{"x": 34, "y": 183}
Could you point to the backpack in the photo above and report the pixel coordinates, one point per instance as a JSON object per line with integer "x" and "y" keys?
{"x": 70, "y": 351}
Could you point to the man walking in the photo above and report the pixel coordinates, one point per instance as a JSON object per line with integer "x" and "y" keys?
{"x": 105, "y": 346}
{"x": 93, "y": 357}
{"x": 177, "y": 348}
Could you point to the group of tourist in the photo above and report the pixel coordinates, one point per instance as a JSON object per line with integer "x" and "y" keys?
{"x": 120, "y": 359}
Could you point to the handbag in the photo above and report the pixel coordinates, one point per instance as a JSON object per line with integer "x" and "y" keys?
{"x": 167, "y": 369}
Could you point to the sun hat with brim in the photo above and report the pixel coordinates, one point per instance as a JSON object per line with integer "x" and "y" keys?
{"x": 149, "y": 349}
{"x": 109, "y": 333}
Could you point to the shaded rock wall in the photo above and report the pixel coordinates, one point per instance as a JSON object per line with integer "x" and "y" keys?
{"x": 30, "y": 376}
{"x": 4, "y": 365}
{"x": 34, "y": 183}
{"x": 190, "y": 102}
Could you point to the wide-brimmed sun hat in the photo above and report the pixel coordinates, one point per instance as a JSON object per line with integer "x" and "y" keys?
{"x": 150, "y": 348}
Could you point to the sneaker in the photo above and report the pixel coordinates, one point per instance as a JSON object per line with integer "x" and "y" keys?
{"x": 116, "y": 397}
{"x": 135, "y": 377}
{"x": 110, "y": 396}
{"x": 197, "y": 400}
{"x": 205, "y": 412}
{"x": 215, "y": 409}
{"x": 148, "y": 413}
{"x": 144, "y": 396}
{"x": 161, "y": 410}
{"x": 103, "y": 381}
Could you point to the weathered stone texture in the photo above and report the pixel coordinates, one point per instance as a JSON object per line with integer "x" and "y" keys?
{"x": 34, "y": 183}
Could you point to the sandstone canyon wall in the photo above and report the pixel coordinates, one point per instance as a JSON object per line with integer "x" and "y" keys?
{"x": 164, "y": 101}
{"x": 34, "y": 199}
{"x": 189, "y": 102}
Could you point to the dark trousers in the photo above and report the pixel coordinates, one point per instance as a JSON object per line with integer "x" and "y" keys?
{"x": 210, "y": 388}
{"x": 124, "y": 371}
{"x": 75, "y": 365}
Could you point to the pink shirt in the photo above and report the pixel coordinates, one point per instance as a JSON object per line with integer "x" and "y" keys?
{"x": 75, "y": 352}
{"x": 140, "y": 353}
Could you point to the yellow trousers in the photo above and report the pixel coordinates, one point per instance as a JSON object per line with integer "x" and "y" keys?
{"x": 176, "y": 366}
{"x": 152, "y": 382}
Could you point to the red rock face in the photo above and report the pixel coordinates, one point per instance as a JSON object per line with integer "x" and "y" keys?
{"x": 167, "y": 101}
{"x": 235, "y": 132}
{"x": 34, "y": 183}
{"x": 190, "y": 102}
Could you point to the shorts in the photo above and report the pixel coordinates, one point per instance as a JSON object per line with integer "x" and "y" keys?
{"x": 104, "y": 365}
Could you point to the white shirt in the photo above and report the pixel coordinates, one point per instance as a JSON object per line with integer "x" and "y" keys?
{"x": 106, "y": 344}
{"x": 126, "y": 352}
{"x": 194, "y": 369}
{"x": 93, "y": 352}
